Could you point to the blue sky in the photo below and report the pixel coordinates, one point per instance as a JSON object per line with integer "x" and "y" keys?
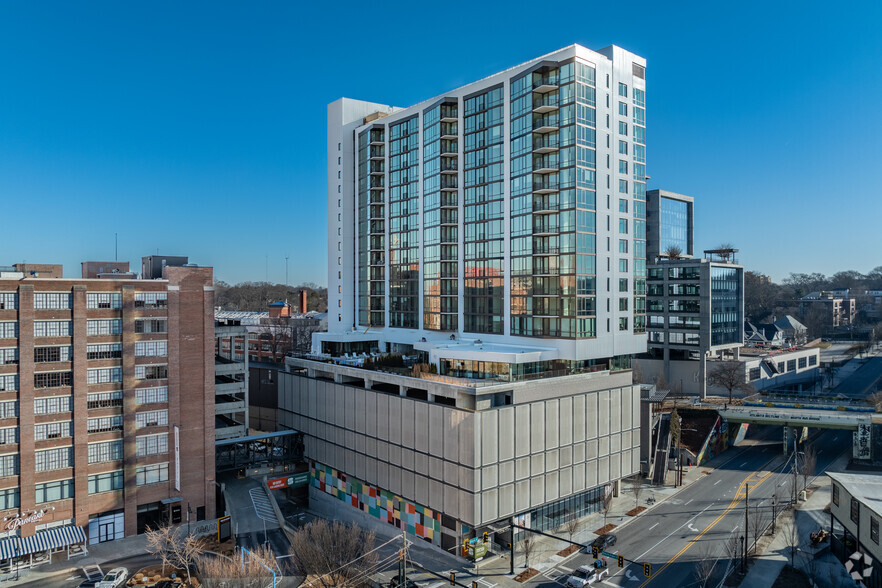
{"x": 199, "y": 128}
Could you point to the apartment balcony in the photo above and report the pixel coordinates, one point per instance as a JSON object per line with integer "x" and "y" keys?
{"x": 376, "y": 137}
{"x": 545, "y": 84}
{"x": 378, "y": 259}
{"x": 546, "y": 206}
{"x": 539, "y": 251}
{"x": 448, "y": 113}
{"x": 377, "y": 152}
{"x": 545, "y": 271}
{"x": 449, "y": 166}
{"x": 448, "y": 183}
{"x": 378, "y": 168}
{"x": 228, "y": 405}
{"x": 377, "y": 228}
{"x": 448, "y": 148}
{"x": 377, "y": 183}
{"x": 449, "y": 130}
{"x": 545, "y": 186}
{"x": 449, "y": 200}
{"x": 546, "y": 125}
{"x": 546, "y": 144}
{"x": 545, "y": 164}
{"x": 543, "y": 103}
{"x": 449, "y": 217}
{"x": 546, "y": 229}
{"x": 225, "y": 385}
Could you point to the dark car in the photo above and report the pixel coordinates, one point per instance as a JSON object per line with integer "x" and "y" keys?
{"x": 604, "y": 541}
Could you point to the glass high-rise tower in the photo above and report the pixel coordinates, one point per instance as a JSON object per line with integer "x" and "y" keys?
{"x": 508, "y": 215}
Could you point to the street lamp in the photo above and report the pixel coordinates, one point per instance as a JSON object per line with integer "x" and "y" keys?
{"x": 742, "y": 553}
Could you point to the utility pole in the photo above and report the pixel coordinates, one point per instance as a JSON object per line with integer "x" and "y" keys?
{"x": 511, "y": 549}
{"x": 746, "y": 506}
{"x": 402, "y": 561}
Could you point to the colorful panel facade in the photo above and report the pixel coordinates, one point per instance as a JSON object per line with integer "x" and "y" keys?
{"x": 415, "y": 519}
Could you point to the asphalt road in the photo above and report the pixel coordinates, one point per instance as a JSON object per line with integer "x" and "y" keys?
{"x": 862, "y": 382}
{"x": 73, "y": 580}
{"x": 697, "y": 523}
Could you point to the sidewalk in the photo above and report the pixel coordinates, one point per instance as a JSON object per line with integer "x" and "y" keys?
{"x": 822, "y": 566}
{"x": 102, "y": 554}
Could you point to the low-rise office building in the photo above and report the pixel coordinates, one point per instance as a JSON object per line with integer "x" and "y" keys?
{"x": 855, "y": 513}
{"x": 106, "y": 404}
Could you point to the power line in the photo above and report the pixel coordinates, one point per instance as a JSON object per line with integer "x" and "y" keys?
{"x": 353, "y": 561}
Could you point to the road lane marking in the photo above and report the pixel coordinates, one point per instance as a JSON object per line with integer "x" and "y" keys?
{"x": 673, "y": 532}
{"x": 735, "y": 501}
{"x": 654, "y": 526}
{"x": 717, "y": 482}
{"x": 688, "y": 501}
{"x": 742, "y": 465}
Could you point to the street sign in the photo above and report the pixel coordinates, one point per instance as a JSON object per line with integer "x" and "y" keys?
{"x": 608, "y": 554}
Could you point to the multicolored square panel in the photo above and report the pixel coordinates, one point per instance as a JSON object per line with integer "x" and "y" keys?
{"x": 417, "y": 520}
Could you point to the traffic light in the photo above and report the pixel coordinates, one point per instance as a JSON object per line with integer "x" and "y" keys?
{"x": 647, "y": 569}
{"x": 453, "y": 578}
{"x": 595, "y": 551}
{"x": 621, "y": 561}
{"x": 485, "y": 536}
{"x": 474, "y": 585}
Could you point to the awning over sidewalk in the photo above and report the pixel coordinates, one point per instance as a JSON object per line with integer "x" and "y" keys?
{"x": 8, "y": 547}
{"x": 52, "y": 539}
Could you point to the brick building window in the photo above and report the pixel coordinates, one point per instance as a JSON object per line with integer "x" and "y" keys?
{"x": 8, "y": 436}
{"x": 151, "y": 348}
{"x": 53, "y": 459}
{"x": 53, "y": 379}
{"x": 103, "y": 300}
{"x": 9, "y": 465}
{"x": 151, "y": 372}
{"x": 53, "y": 430}
{"x": 8, "y": 330}
{"x": 151, "y": 299}
{"x": 9, "y": 498}
{"x": 106, "y": 451}
{"x": 53, "y": 404}
{"x": 104, "y": 375}
{"x": 106, "y": 482}
{"x": 57, "y": 490}
{"x": 8, "y": 356}
{"x": 151, "y": 474}
{"x": 151, "y": 395}
{"x": 151, "y": 326}
{"x": 8, "y": 382}
{"x": 152, "y": 418}
{"x": 9, "y": 409}
{"x": 52, "y": 329}
{"x": 8, "y": 301}
{"x": 52, "y": 354}
{"x": 104, "y": 399}
{"x": 104, "y": 327}
{"x": 151, "y": 444}
{"x": 51, "y": 301}
{"x": 104, "y": 424}
{"x": 105, "y": 351}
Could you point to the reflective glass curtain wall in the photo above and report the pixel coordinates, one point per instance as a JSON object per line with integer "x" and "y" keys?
{"x": 638, "y": 109}
{"x": 371, "y": 228}
{"x": 440, "y": 208}
{"x": 726, "y": 320}
{"x": 404, "y": 267}
{"x": 673, "y": 220}
{"x": 483, "y": 172}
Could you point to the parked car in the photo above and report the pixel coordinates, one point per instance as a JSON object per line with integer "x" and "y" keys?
{"x": 586, "y": 575}
{"x": 604, "y": 541}
{"x": 113, "y": 578}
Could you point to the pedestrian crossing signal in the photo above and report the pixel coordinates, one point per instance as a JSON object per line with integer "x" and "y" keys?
{"x": 621, "y": 561}
{"x": 595, "y": 551}
{"x": 647, "y": 569}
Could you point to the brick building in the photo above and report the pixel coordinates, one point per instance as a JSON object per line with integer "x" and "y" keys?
{"x": 106, "y": 404}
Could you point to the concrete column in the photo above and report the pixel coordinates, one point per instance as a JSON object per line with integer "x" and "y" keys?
{"x": 702, "y": 375}
{"x": 402, "y": 390}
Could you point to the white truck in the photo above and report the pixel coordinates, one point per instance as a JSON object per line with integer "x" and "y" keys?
{"x": 586, "y": 575}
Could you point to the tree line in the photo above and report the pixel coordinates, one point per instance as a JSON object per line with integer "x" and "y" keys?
{"x": 256, "y": 296}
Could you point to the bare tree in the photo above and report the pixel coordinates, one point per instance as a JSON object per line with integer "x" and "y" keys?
{"x": 605, "y": 504}
{"x": 791, "y": 535}
{"x": 809, "y": 463}
{"x": 704, "y": 566}
{"x": 572, "y": 526}
{"x": 811, "y": 566}
{"x": 276, "y": 334}
{"x": 186, "y": 551}
{"x": 673, "y": 252}
{"x": 676, "y": 431}
{"x": 636, "y": 373}
{"x": 332, "y": 553}
{"x": 776, "y": 506}
{"x": 728, "y": 375}
{"x": 757, "y": 525}
{"x": 160, "y": 544}
{"x": 245, "y": 572}
{"x": 636, "y": 487}
{"x": 732, "y": 547}
{"x": 661, "y": 382}
{"x": 528, "y": 545}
